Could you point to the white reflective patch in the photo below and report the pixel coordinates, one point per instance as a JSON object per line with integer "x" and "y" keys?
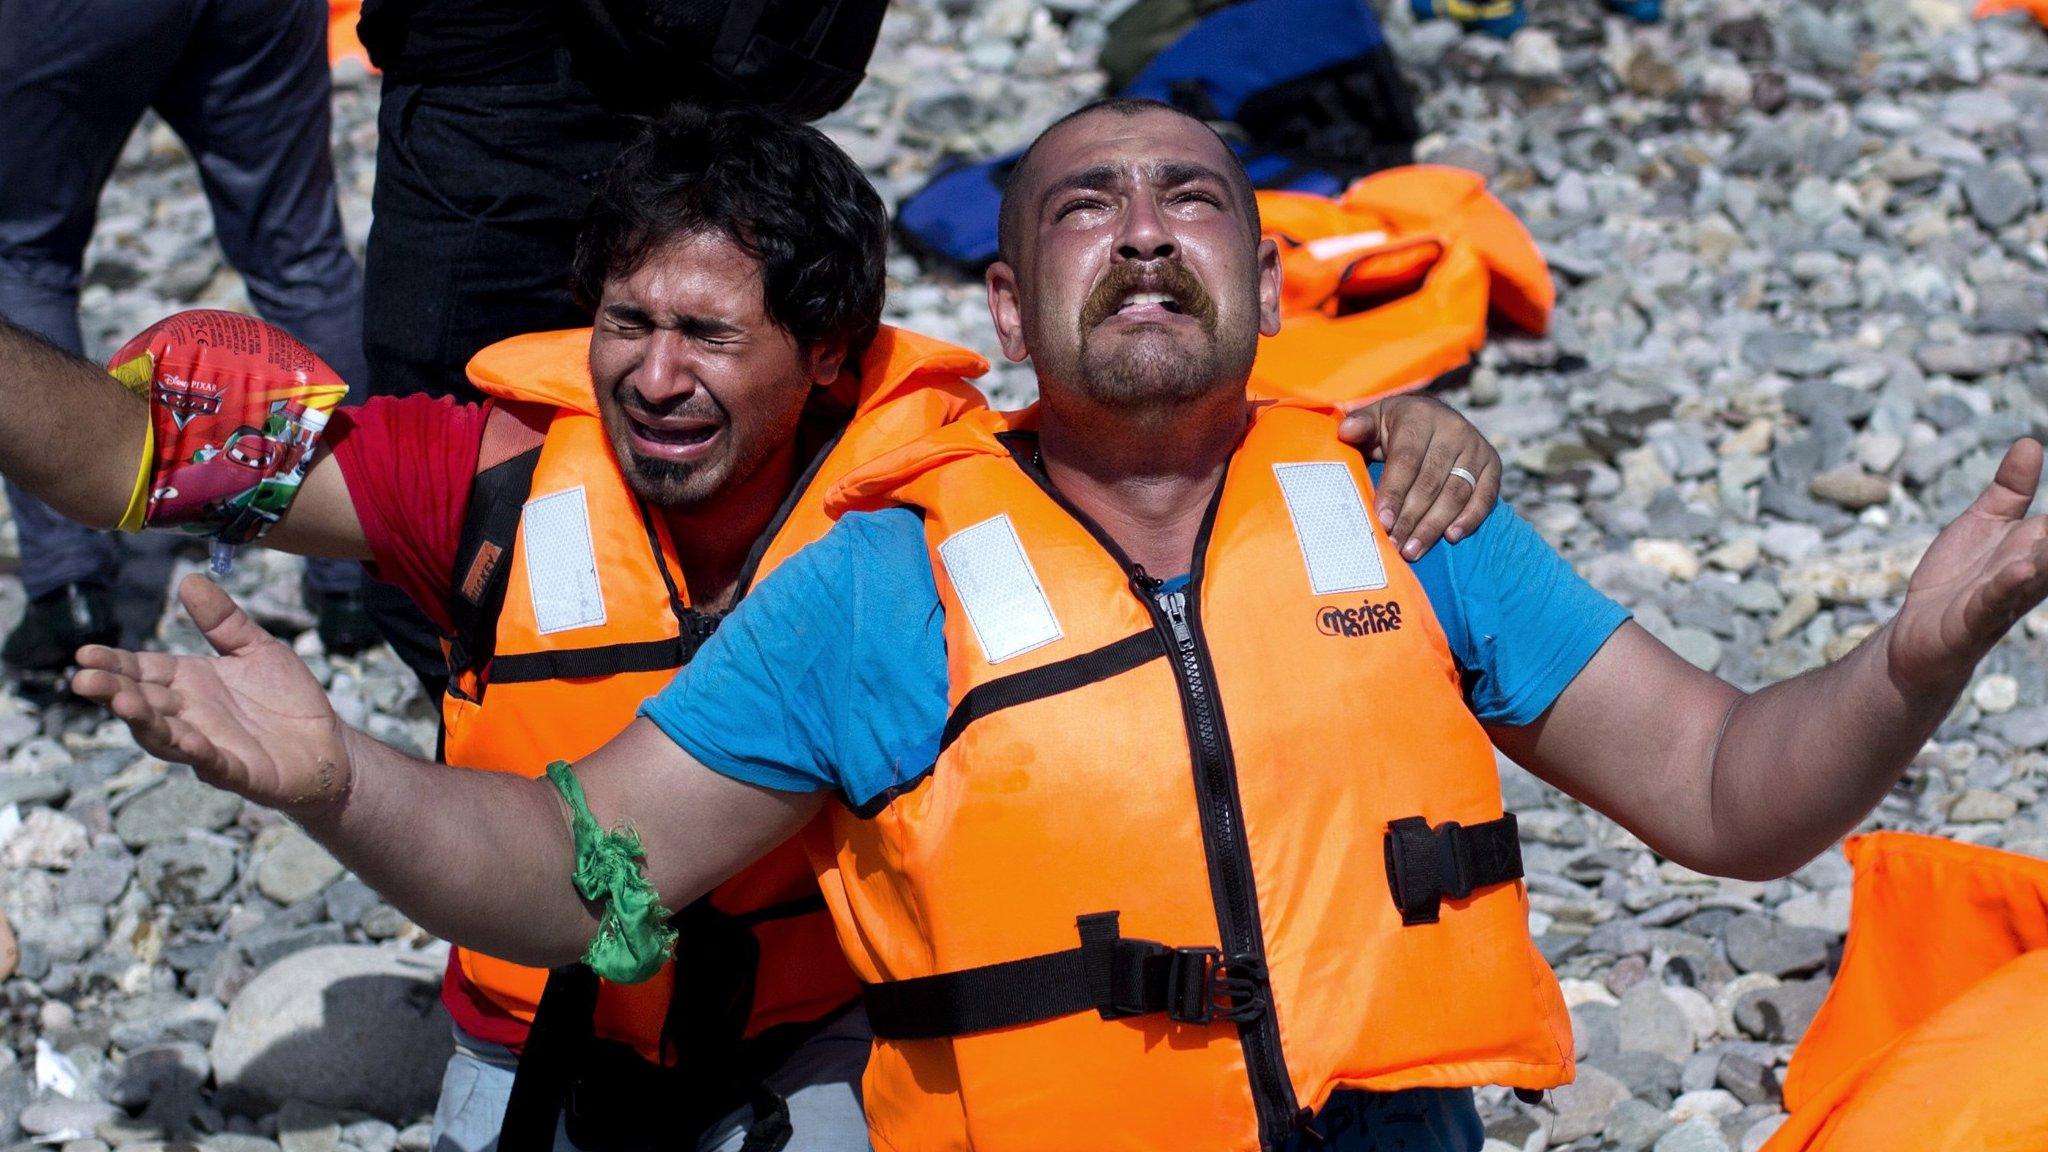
{"x": 561, "y": 562}
{"x": 1330, "y": 521}
{"x": 1331, "y": 247}
{"x": 1005, "y": 604}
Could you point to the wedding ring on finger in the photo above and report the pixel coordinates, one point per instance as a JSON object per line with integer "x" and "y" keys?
{"x": 1467, "y": 477}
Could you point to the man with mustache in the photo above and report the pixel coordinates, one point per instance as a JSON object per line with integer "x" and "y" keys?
{"x": 575, "y": 543}
{"x": 1127, "y": 848}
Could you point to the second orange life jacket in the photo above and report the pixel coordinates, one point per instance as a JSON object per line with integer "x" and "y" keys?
{"x": 595, "y": 618}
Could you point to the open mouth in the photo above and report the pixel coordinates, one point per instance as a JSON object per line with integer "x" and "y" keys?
{"x": 680, "y": 434}
{"x": 1149, "y": 304}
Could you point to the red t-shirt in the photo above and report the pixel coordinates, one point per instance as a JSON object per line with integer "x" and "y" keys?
{"x": 409, "y": 463}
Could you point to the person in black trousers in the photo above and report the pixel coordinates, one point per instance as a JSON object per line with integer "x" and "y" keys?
{"x": 245, "y": 85}
{"x": 487, "y": 147}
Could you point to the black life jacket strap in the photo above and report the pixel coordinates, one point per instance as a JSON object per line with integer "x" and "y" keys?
{"x": 552, "y": 1058}
{"x": 483, "y": 562}
{"x": 1425, "y": 865}
{"x": 1115, "y": 976}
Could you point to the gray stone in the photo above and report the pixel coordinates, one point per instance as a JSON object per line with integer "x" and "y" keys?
{"x": 295, "y": 868}
{"x": 269, "y": 944}
{"x": 97, "y": 878}
{"x": 1634, "y": 1126}
{"x": 56, "y": 1115}
{"x": 1699, "y": 1134}
{"x": 1852, "y": 488}
{"x": 1650, "y": 1021}
{"x": 1997, "y": 196}
{"x": 1780, "y": 1013}
{"x": 1581, "y": 1106}
{"x": 2022, "y": 727}
{"x": 1974, "y": 356}
{"x": 33, "y": 788}
{"x": 162, "y": 1070}
{"x": 1750, "y": 1081}
{"x": 237, "y": 1142}
{"x": 349, "y": 900}
{"x": 67, "y": 937}
{"x": 1793, "y": 353}
{"x": 1758, "y": 943}
{"x": 187, "y": 872}
{"x": 303, "y": 1127}
{"x": 168, "y": 811}
{"x": 1979, "y": 806}
{"x": 298, "y": 1032}
{"x": 1595, "y": 1031}
{"x": 1648, "y": 1075}
{"x": 370, "y": 1135}
{"x": 165, "y": 1019}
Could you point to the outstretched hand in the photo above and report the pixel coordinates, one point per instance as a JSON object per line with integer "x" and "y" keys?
{"x": 1419, "y": 500}
{"x": 251, "y": 720}
{"x": 1987, "y": 569}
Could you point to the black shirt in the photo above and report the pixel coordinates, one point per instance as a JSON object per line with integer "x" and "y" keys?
{"x": 462, "y": 41}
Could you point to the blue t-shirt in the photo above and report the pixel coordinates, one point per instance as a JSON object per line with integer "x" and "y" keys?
{"x": 831, "y": 675}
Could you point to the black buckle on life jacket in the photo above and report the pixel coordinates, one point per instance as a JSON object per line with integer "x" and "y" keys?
{"x": 1427, "y": 865}
{"x": 1190, "y": 985}
{"x": 1205, "y": 985}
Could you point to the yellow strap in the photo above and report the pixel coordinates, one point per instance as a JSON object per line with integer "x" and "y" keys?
{"x": 135, "y": 375}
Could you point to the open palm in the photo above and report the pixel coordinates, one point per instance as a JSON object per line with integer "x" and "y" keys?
{"x": 1983, "y": 572}
{"x": 251, "y": 720}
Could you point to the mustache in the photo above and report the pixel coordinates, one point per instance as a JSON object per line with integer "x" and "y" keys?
{"x": 1166, "y": 277}
{"x": 697, "y": 405}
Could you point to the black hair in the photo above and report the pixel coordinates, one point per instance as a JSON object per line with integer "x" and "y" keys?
{"x": 1008, "y": 222}
{"x": 779, "y": 189}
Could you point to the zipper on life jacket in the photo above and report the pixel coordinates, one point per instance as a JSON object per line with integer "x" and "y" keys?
{"x": 1218, "y": 807}
{"x": 1230, "y": 862}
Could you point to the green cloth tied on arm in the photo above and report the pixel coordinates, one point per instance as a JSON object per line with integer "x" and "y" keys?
{"x": 633, "y": 937}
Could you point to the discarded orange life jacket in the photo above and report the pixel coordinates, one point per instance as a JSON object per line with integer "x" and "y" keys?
{"x": 1391, "y": 285}
{"x": 1180, "y": 872}
{"x": 2039, "y": 8}
{"x": 595, "y": 619}
{"x": 1930, "y": 1038}
{"x": 342, "y": 41}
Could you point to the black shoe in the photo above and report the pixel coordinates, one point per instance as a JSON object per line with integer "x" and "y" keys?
{"x": 343, "y": 621}
{"x": 56, "y": 624}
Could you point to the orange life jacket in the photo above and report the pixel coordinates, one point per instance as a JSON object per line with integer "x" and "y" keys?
{"x": 342, "y": 41}
{"x": 1146, "y": 897}
{"x": 595, "y": 618}
{"x": 1390, "y": 285}
{"x": 1931, "y": 1035}
{"x": 2038, "y": 8}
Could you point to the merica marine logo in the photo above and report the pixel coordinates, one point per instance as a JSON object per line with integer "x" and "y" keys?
{"x": 1368, "y": 619}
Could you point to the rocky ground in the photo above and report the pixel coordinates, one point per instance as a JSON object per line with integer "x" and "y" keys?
{"x": 1803, "y": 253}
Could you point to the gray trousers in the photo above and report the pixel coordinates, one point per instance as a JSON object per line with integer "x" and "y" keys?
{"x": 244, "y": 83}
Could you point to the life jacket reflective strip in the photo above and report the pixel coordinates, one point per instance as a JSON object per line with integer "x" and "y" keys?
{"x": 1222, "y": 783}
{"x": 593, "y": 612}
{"x": 1931, "y": 1034}
{"x": 1391, "y": 284}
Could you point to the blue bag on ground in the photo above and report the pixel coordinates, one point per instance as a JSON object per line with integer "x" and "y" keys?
{"x": 1306, "y": 90}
